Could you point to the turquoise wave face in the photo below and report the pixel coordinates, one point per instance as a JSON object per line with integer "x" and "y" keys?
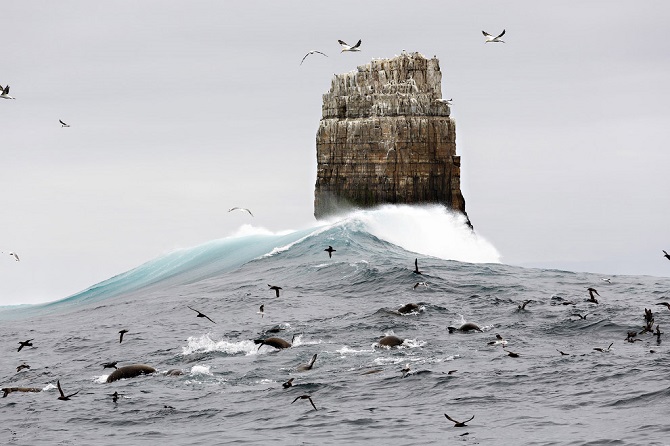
{"x": 383, "y": 234}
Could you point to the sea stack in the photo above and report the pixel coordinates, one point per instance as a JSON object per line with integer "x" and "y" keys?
{"x": 385, "y": 138}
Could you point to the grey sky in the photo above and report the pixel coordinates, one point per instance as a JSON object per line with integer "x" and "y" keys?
{"x": 180, "y": 111}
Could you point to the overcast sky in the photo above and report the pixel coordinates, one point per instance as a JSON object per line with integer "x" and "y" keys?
{"x": 181, "y": 110}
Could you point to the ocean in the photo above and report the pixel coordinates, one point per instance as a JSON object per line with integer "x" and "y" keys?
{"x": 338, "y": 308}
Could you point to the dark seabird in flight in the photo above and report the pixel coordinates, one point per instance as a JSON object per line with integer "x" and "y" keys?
{"x": 201, "y": 314}
{"x": 458, "y": 423}
{"x": 330, "y": 251}
{"x": 511, "y": 354}
{"x": 121, "y": 333}
{"x": 591, "y": 291}
{"x": 276, "y": 288}
{"x": 62, "y": 124}
{"x": 490, "y": 38}
{"x": 310, "y": 53}
{"x": 62, "y": 395}
{"x": 665, "y": 304}
{"x": 418, "y": 284}
{"x": 416, "y": 266}
{"x": 25, "y": 344}
{"x": 115, "y": 396}
{"x": 344, "y": 45}
{"x": 604, "y": 349}
{"x": 240, "y": 209}
{"x": 499, "y": 340}
{"x": 109, "y": 365}
{"x": 451, "y": 371}
{"x": 666, "y": 255}
{"x": 581, "y": 317}
{"x": 305, "y": 397}
{"x": 522, "y": 306}
{"x": 563, "y": 353}
{"x": 21, "y": 367}
{"x": 288, "y": 383}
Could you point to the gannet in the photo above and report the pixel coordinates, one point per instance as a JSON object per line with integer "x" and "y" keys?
{"x": 490, "y": 38}
{"x": 345, "y": 47}
{"x": 312, "y": 52}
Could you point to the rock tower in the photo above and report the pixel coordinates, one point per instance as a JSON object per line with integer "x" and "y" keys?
{"x": 384, "y": 138}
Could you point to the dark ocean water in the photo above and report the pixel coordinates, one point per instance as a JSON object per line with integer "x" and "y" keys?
{"x": 231, "y": 392}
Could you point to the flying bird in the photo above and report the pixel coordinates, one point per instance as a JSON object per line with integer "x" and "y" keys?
{"x": 312, "y": 52}
{"x": 288, "y": 383}
{"x": 666, "y": 255}
{"x": 62, "y": 395}
{"x": 345, "y": 46}
{"x": 416, "y": 266}
{"x": 25, "y": 344}
{"x": 522, "y": 306}
{"x": 276, "y": 288}
{"x": 115, "y": 396}
{"x": 511, "y": 354}
{"x": 458, "y": 423}
{"x": 664, "y": 303}
{"x": 122, "y": 332}
{"x": 305, "y": 397}
{"x": 15, "y": 255}
{"x": 330, "y": 251}
{"x": 418, "y": 284}
{"x": 5, "y": 93}
{"x": 240, "y": 209}
{"x": 591, "y": 291}
{"x": 563, "y": 353}
{"x": 21, "y": 367}
{"x": 62, "y": 124}
{"x": 201, "y": 314}
{"x": 109, "y": 365}
{"x": 600, "y": 349}
{"x": 490, "y": 38}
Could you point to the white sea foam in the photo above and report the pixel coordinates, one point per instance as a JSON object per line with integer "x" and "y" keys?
{"x": 201, "y": 370}
{"x": 431, "y": 230}
{"x": 204, "y": 343}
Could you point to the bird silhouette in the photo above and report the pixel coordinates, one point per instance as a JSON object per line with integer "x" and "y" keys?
{"x": 330, "y": 251}
{"x": 275, "y": 288}
{"x": 459, "y": 423}
{"x": 416, "y": 267}
{"x": 25, "y": 344}
{"x": 62, "y": 395}
{"x": 121, "y": 333}
{"x": 305, "y": 397}
{"x": 201, "y": 314}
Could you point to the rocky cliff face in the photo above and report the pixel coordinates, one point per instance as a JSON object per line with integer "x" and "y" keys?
{"x": 384, "y": 138}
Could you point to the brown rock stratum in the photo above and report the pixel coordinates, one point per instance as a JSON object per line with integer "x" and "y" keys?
{"x": 384, "y": 138}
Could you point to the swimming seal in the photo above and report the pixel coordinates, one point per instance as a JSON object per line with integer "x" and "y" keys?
{"x": 130, "y": 371}
{"x": 8, "y": 390}
{"x": 408, "y": 308}
{"x": 274, "y": 342}
{"x": 468, "y": 326}
{"x": 174, "y": 372}
{"x": 390, "y": 341}
{"x": 308, "y": 366}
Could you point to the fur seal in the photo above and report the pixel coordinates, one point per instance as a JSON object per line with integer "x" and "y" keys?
{"x": 458, "y": 423}
{"x": 174, "y": 372}
{"x": 409, "y": 308}
{"x": 390, "y": 341}
{"x": 308, "y": 366}
{"x": 7, "y": 390}
{"x": 130, "y": 371}
{"x": 288, "y": 383}
{"x": 468, "y": 326}
{"x": 278, "y": 343}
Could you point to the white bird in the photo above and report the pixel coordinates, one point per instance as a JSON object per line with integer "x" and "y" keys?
{"x": 5, "y": 93}
{"x": 62, "y": 124}
{"x": 444, "y": 101}
{"x": 240, "y": 209}
{"x": 490, "y": 38}
{"x": 312, "y": 52}
{"x": 347, "y": 47}
{"x": 606, "y": 279}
